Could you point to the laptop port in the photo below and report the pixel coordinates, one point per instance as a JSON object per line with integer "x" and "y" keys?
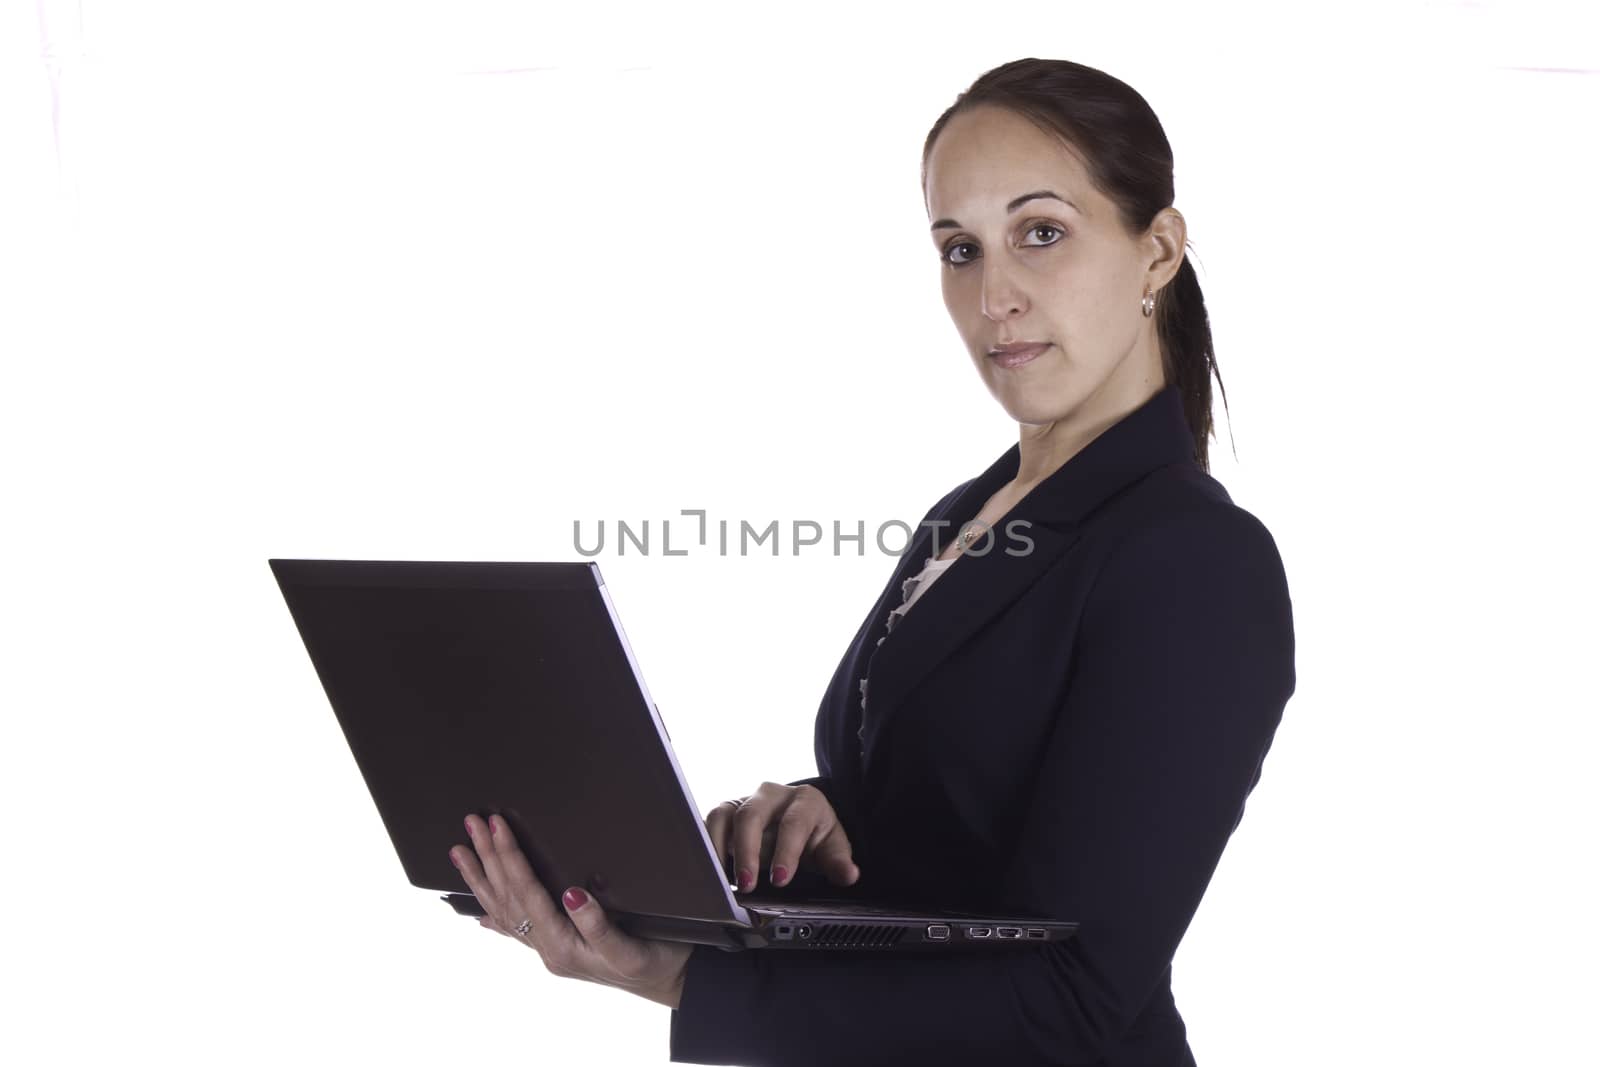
{"x": 938, "y": 932}
{"x": 804, "y": 932}
{"x": 978, "y": 931}
{"x": 785, "y": 933}
{"x": 1008, "y": 931}
{"x": 1035, "y": 932}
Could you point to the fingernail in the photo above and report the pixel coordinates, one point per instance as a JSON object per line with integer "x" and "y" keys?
{"x": 747, "y": 878}
{"x": 467, "y": 822}
{"x": 453, "y": 859}
{"x": 780, "y": 875}
{"x": 492, "y": 830}
{"x": 575, "y": 898}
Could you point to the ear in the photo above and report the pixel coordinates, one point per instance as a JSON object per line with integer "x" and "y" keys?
{"x": 1164, "y": 241}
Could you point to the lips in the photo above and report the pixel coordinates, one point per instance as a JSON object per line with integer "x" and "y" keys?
{"x": 1016, "y": 353}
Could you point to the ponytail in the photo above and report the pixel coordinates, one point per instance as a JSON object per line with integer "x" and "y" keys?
{"x": 1187, "y": 354}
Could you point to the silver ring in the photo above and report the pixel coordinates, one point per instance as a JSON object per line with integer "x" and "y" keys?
{"x": 523, "y": 926}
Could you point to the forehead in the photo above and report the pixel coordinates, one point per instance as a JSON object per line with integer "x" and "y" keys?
{"x": 988, "y": 155}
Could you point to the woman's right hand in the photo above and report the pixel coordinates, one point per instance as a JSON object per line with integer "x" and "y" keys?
{"x": 777, "y": 828}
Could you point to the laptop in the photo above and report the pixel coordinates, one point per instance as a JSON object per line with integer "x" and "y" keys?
{"x": 510, "y": 689}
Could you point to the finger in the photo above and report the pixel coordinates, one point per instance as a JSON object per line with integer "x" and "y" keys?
{"x": 744, "y": 841}
{"x": 750, "y": 831}
{"x": 831, "y": 854}
{"x": 482, "y": 869}
{"x": 802, "y": 824}
{"x": 622, "y": 953}
{"x": 810, "y": 832}
{"x": 483, "y": 845}
{"x": 525, "y": 894}
{"x": 719, "y": 824}
{"x": 466, "y": 861}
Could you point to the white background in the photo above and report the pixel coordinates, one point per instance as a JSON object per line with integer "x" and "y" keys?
{"x": 432, "y": 281}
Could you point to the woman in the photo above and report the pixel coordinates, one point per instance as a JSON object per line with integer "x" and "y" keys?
{"x": 1071, "y": 717}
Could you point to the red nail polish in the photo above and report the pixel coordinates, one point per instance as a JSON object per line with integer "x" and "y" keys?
{"x": 575, "y": 898}
{"x": 780, "y": 875}
{"x": 747, "y": 878}
{"x": 454, "y": 862}
{"x": 467, "y": 822}
{"x": 492, "y": 830}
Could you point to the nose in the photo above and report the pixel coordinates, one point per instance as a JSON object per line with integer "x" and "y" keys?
{"x": 1002, "y": 296}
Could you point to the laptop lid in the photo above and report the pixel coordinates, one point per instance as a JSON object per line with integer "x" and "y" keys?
{"x": 507, "y": 688}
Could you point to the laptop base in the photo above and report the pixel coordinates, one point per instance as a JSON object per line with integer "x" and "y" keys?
{"x": 830, "y": 925}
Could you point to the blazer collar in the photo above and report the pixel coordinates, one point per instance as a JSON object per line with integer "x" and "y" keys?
{"x": 1151, "y": 436}
{"x": 977, "y": 588}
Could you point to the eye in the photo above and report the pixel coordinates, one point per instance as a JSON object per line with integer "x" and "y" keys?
{"x": 1036, "y": 227}
{"x": 945, "y": 255}
{"x": 1048, "y": 227}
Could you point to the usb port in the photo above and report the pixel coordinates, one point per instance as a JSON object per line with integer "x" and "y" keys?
{"x": 938, "y": 932}
{"x": 1008, "y": 931}
{"x": 978, "y": 931}
{"x": 1035, "y": 932}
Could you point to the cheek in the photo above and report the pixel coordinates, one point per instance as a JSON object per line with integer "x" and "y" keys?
{"x": 1084, "y": 300}
{"x": 955, "y": 301}
{"x": 961, "y": 305}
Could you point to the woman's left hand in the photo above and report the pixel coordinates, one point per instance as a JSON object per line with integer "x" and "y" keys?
{"x": 582, "y": 943}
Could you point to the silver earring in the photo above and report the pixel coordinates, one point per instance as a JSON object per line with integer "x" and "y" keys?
{"x": 1148, "y": 303}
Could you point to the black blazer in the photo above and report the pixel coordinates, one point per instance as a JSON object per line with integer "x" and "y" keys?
{"x": 1068, "y": 730}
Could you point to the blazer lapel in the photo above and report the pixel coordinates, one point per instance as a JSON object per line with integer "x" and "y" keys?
{"x": 966, "y": 597}
{"x": 977, "y": 588}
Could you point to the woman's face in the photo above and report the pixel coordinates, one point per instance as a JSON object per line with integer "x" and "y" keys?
{"x": 1039, "y": 269}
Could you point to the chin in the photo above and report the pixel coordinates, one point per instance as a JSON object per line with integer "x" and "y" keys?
{"x": 1037, "y": 410}
{"x": 1040, "y": 393}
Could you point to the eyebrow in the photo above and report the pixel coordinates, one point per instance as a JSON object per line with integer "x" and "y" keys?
{"x": 952, "y": 224}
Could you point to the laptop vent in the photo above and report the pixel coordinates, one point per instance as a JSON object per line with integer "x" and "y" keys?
{"x": 857, "y": 935}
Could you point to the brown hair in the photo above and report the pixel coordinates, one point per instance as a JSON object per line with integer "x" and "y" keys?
{"x": 1128, "y": 158}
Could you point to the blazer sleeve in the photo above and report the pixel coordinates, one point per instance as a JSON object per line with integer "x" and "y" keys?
{"x": 1182, "y": 668}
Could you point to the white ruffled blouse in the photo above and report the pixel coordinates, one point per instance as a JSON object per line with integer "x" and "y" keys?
{"x": 910, "y": 590}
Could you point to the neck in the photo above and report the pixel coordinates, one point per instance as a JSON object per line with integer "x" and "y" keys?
{"x": 1044, "y": 448}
